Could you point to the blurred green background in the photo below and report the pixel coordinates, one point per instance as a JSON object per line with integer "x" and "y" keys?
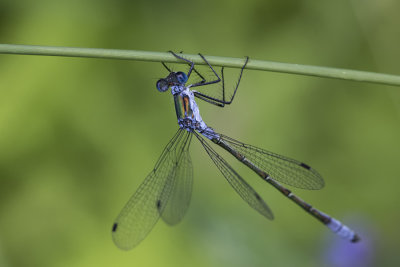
{"x": 78, "y": 136}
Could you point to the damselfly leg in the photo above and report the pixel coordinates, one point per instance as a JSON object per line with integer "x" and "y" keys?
{"x": 206, "y": 94}
{"x": 202, "y": 81}
{"x": 221, "y": 102}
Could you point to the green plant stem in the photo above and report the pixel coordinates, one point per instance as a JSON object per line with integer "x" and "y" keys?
{"x": 253, "y": 64}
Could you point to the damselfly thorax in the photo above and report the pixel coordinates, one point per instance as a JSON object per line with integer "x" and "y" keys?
{"x": 188, "y": 113}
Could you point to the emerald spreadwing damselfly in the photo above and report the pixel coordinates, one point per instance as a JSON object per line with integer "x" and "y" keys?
{"x": 166, "y": 191}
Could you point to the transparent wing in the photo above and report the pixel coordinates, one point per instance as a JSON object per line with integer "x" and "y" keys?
{"x": 178, "y": 202}
{"x": 247, "y": 193}
{"x": 280, "y": 168}
{"x": 143, "y": 209}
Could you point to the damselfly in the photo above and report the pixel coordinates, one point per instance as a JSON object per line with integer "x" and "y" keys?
{"x": 167, "y": 190}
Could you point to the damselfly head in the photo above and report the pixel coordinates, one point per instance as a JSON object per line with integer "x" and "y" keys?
{"x": 181, "y": 77}
{"x": 174, "y": 78}
{"x": 162, "y": 85}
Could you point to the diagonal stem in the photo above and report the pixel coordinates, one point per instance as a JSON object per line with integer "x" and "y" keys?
{"x": 336, "y": 73}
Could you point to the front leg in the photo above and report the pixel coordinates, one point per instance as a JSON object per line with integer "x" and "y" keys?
{"x": 210, "y": 82}
{"x": 187, "y": 60}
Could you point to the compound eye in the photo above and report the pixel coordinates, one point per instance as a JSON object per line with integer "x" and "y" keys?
{"x": 181, "y": 77}
{"x": 162, "y": 85}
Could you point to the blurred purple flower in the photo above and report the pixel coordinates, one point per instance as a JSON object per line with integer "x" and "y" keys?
{"x": 341, "y": 253}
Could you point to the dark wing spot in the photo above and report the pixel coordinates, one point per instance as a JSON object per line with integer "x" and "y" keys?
{"x": 257, "y": 196}
{"x": 158, "y": 204}
{"x": 355, "y": 239}
{"x": 305, "y": 166}
{"x": 114, "y": 228}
